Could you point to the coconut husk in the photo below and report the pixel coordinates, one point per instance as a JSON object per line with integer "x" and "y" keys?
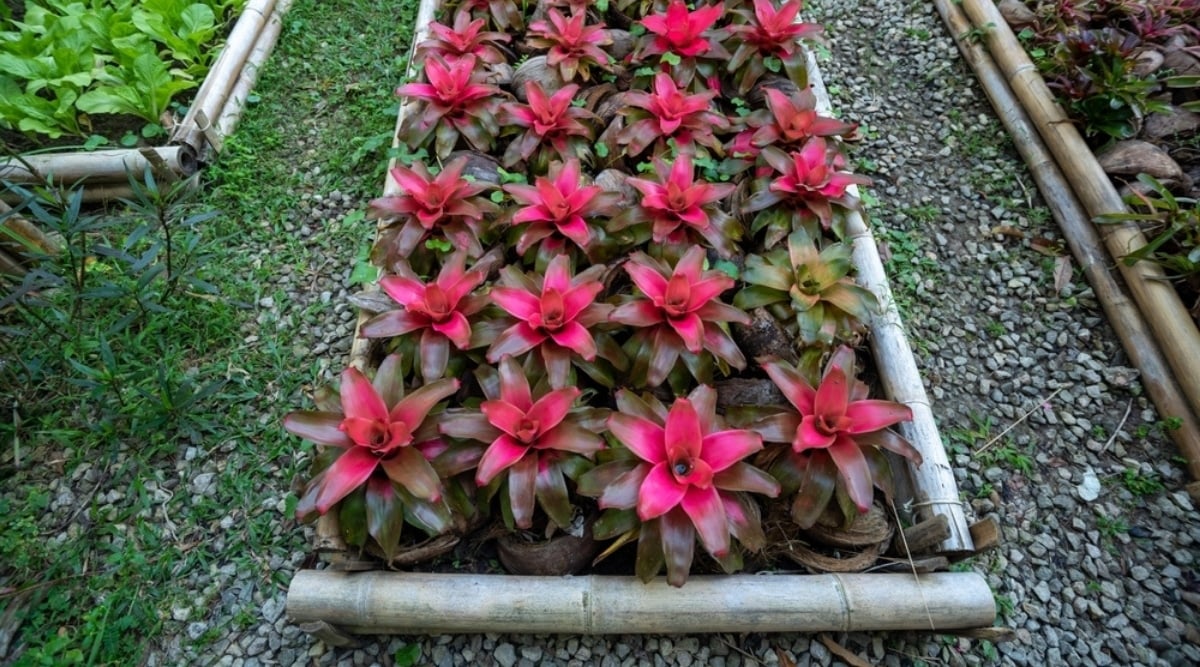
{"x": 757, "y": 95}
{"x": 623, "y": 43}
{"x": 426, "y": 550}
{"x": 560, "y": 555}
{"x": 871, "y": 528}
{"x": 482, "y": 167}
{"x": 841, "y": 561}
{"x": 764, "y": 336}
{"x": 536, "y": 69}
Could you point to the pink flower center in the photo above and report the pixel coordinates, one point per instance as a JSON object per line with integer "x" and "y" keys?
{"x": 830, "y": 424}
{"x": 692, "y": 471}
{"x": 553, "y": 311}
{"x": 527, "y": 430}
{"x": 437, "y": 304}
{"x": 797, "y": 128}
{"x": 560, "y": 209}
{"x": 677, "y": 198}
{"x": 677, "y": 296}
{"x": 382, "y": 438}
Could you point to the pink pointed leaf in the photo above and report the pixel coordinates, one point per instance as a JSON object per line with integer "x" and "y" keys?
{"x": 499, "y": 456}
{"x": 704, "y": 508}
{"x": 659, "y": 493}
{"x": 346, "y": 474}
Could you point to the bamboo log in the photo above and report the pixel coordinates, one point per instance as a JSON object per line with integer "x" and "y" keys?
{"x": 1160, "y": 305}
{"x": 404, "y": 603}
{"x": 9, "y": 266}
{"x": 231, "y": 113}
{"x": 223, "y": 75}
{"x": 935, "y": 492}
{"x": 18, "y": 236}
{"x": 107, "y": 166}
{"x": 1083, "y": 239}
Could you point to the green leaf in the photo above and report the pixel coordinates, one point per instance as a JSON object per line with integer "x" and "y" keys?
{"x": 671, "y": 59}
{"x": 352, "y": 517}
{"x": 728, "y": 268}
{"x": 94, "y": 141}
{"x": 440, "y": 245}
{"x": 601, "y": 150}
{"x": 385, "y": 515}
{"x": 364, "y": 273}
{"x": 407, "y": 655}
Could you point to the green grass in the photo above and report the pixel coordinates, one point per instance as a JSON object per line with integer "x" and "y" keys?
{"x": 110, "y": 390}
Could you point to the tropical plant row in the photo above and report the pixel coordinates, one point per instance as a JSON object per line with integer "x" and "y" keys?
{"x": 607, "y": 214}
{"x": 67, "y": 68}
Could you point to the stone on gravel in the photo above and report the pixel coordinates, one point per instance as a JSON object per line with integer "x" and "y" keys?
{"x": 1172, "y": 122}
{"x": 1134, "y": 156}
{"x": 505, "y": 655}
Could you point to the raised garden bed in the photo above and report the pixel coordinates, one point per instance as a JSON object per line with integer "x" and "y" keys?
{"x": 340, "y": 599}
{"x": 211, "y": 115}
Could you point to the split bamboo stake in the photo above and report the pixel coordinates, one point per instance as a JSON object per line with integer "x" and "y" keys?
{"x": 1083, "y": 240}
{"x": 214, "y": 92}
{"x": 405, "y": 603}
{"x": 105, "y": 166}
{"x": 935, "y": 491}
{"x": 231, "y": 113}
{"x": 1170, "y": 322}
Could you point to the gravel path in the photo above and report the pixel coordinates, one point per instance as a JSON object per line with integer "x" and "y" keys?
{"x": 1110, "y": 580}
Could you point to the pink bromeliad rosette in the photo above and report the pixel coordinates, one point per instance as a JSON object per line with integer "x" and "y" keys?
{"x": 679, "y": 475}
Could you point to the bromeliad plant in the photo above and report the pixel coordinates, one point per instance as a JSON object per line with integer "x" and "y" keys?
{"x": 446, "y": 206}
{"x": 768, "y": 40}
{"x": 556, "y": 316}
{"x": 686, "y": 41}
{"x": 466, "y": 37}
{"x": 439, "y": 310}
{"x": 574, "y": 46}
{"x": 788, "y": 122}
{"x": 681, "y": 210}
{"x": 834, "y": 441}
{"x": 809, "y": 287}
{"x": 681, "y": 475}
{"x": 455, "y": 102}
{"x": 807, "y": 184}
{"x": 558, "y": 207}
{"x": 375, "y": 463}
{"x": 502, "y": 14}
{"x": 670, "y": 113}
{"x": 549, "y": 127}
{"x": 678, "y": 316}
{"x": 533, "y": 444}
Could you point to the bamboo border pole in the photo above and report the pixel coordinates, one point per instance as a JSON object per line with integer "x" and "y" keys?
{"x": 379, "y": 602}
{"x": 1082, "y": 238}
{"x": 105, "y": 166}
{"x": 235, "y": 104}
{"x": 935, "y": 491}
{"x": 221, "y": 78}
{"x": 1160, "y": 305}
